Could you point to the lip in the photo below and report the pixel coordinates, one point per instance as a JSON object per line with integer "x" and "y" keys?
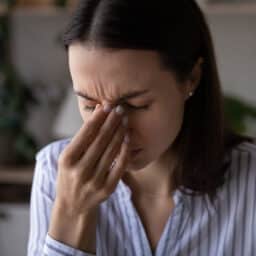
{"x": 135, "y": 151}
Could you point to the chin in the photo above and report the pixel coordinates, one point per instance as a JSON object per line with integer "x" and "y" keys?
{"x": 130, "y": 169}
{"x": 136, "y": 165}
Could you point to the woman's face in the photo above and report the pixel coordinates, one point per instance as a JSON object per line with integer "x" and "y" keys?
{"x": 155, "y": 116}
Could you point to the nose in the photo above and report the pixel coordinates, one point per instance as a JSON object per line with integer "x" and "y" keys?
{"x": 113, "y": 105}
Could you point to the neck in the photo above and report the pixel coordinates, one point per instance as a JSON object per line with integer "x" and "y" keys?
{"x": 154, "y": 181}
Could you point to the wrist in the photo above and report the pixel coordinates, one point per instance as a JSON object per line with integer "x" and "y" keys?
{"x": 75, "y": 230}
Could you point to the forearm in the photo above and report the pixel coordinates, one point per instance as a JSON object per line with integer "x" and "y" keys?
{"x": 76, "y": 231}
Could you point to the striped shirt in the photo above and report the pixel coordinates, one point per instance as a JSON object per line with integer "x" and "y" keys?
{"x": 195, "y": 227}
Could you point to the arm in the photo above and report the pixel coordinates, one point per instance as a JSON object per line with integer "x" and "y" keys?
{"x": 77, "y": 231}
{"x": 85, "y": 178}
{"x": 41, "y": 203}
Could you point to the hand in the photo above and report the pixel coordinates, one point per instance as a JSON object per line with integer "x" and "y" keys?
{"x": 84, "y": 177}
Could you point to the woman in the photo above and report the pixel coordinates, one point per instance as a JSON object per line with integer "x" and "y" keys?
{"x": 154, "y": 170}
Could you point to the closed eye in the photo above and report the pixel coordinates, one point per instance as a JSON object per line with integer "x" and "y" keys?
{"x": 88, "y": 108}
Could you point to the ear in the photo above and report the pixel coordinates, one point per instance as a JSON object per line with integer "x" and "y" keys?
{"x": 194, "y": 78}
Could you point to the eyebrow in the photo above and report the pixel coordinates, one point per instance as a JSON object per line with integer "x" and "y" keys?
{"x": 128, "y": 95}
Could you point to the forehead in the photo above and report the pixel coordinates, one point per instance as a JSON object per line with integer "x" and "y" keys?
{"x": 115, "y": 71}
{"x": 89, "y": 58}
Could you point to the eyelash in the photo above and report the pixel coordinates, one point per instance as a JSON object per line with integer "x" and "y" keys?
{"x": 87, "y": 108}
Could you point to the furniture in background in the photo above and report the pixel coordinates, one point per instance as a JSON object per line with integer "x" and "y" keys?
{"x": 15, "y": 186}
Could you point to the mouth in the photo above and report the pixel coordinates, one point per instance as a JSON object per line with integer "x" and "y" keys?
{"x": 135, "y": 151}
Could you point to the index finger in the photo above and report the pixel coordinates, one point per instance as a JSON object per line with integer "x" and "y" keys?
{"x": 86, "y": 134}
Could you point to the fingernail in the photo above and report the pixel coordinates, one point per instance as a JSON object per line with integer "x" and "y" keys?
{"x": 119, "y": 110}
{"x": 107, "y": 108}
{"x": 126, "y": 139}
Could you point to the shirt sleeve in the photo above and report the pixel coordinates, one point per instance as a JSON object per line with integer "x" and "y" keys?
{"x": 41, "y": 202}
{"x": 55, "y": 248}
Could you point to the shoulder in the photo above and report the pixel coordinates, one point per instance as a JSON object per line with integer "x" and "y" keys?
{"x": 240, "y": 178}
{"x": 247, "y": 146}
{"x": 45, "y": 170}
{"x": 243, "y": 163}
{"x": 49, "y": 154}
{"x": 246, "y": 151}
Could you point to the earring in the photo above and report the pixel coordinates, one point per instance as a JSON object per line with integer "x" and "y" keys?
{"x": 190, "y": 94}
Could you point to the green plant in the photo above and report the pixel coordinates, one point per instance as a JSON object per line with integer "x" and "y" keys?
{"x": 15, "y": 100}
{"x": 17, "y": 145}
{"x": 237, "y": 111}
{"x": 61, "y": 3}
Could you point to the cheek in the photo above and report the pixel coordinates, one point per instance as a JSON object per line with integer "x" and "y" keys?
{"x": 83, "y": 113}
{"x": 167, "y": 120}
{"x": 175, "y": 116}
{"x": 161, "y": 117}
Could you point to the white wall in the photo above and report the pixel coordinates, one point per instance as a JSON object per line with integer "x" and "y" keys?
{"x": 234, "y": 36}
{"x": 14, "y": 230}
{"x": 41, "y": 61}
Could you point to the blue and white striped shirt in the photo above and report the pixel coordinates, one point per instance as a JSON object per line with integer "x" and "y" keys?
{"x": 195, "y": 226}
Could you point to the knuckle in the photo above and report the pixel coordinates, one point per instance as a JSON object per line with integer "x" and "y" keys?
{"x": 64, "y": 159}
{"x": 75, "y": 176}
{"x": 106, "y": 191}
{"x": 91, "y": 187}
{"x": 104, "y": 194}
{"x": 117, "y": 165}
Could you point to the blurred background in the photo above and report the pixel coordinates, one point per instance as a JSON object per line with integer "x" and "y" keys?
{"x": 37, "y": 106}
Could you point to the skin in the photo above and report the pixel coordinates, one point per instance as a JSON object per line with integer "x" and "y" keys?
{"x": 106, "y": 75}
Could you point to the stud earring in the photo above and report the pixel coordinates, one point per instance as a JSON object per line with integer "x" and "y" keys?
{"x": 190, "y": 94}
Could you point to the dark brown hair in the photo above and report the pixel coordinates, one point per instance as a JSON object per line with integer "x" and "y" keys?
{"x": 178, "y": 31}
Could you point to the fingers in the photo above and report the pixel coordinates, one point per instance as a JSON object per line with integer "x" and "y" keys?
{"x": 84, "y": 137}
{"x": 109, "y": 155}
{"x": 119, "y": 168}
{"x": 90, "y": 154}
{"x": 100, "y": 143}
